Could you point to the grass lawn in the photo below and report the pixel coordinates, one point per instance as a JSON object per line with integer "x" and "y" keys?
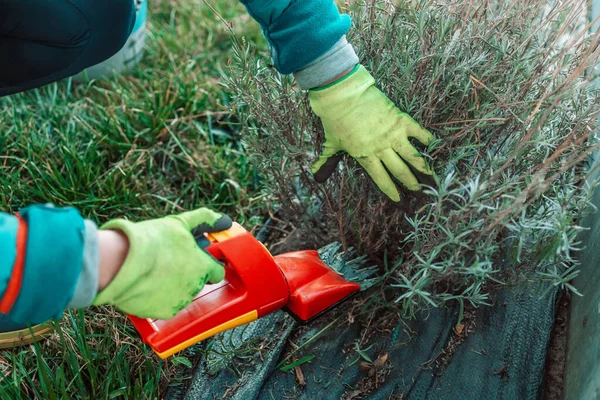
{"x": 142, "y": 146}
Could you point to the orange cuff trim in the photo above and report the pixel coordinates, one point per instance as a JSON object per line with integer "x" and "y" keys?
{"x": 16, "y": 279}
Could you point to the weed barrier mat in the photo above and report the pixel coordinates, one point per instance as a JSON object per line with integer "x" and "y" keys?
{"x": 500, "y": 354}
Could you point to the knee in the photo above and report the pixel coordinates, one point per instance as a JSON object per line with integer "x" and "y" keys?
{"x": 57, "y": 39}
{"x": 59, "y": 24}
{"x": 111, "y": 33}
{"x": 46, "y": 37}
{"x": 110, "y": 24}
{"x": 99, "y": 28}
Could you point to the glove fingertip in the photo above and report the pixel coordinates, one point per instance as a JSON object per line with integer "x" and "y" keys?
{"x": 388, "y": 187}
{"x": 222, "y": 224}
{"x": 393, "y": 195}
{"x": 217, "y": 274}
{"x": 427, "y": 137}
{"x": 325, "y": 167}
{"x": 427, "y": 178}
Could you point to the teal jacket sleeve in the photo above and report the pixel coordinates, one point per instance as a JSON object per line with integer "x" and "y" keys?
{"x": 298, "y": 31}
{"x": 52, "y": 262}
{"x": 9, "y": 226}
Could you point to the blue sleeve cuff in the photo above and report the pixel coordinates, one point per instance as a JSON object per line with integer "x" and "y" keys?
{"x": 298, "y": 31}
{"x": 53, "y": 261}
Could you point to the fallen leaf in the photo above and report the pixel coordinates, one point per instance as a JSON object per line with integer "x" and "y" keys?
{"x": 299, "y": 376}
{"x": 163, "y": 134}
{"x": 381, "y": 360}
{"x": 353, "y": 394}
{"x": 458, "y": 329}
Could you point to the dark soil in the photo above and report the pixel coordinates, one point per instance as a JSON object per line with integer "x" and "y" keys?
{"x": 287, "y": 238}
{"x": 555, "y": 360}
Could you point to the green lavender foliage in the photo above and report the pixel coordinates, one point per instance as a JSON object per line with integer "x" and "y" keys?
{"x": 507, "y": 89}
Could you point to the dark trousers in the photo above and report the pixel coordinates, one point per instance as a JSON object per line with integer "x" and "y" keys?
{"x": 42, "y": 41}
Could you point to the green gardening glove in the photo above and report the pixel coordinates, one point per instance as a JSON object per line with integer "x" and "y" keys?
{"x": 165, "y": 268}
{"x": 360, "y": 120}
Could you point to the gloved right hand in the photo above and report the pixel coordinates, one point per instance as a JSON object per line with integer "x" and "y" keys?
{"x": 165, "y": 268}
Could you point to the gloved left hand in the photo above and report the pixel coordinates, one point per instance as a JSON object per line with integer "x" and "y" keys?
{"x": 360, "y": 120}
{"x": 165, "y": 268}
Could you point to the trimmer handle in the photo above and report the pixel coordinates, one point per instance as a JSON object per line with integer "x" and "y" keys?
{"x": 255, "y": 285}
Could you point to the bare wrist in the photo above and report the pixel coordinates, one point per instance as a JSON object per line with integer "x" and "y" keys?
{"x": 113, "y": 246}
{"x": 340, "y": 76}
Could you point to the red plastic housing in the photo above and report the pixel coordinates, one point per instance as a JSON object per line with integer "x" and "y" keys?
{"x": 314, "y": 287}
{"x": 255, "y": 285}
